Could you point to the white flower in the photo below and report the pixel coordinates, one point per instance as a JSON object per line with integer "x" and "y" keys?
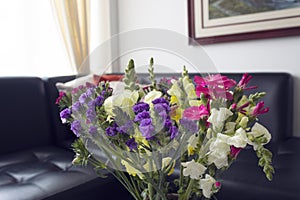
{"x": 175, "y": 90}
{"x": 244, "y": 122}
{"x": 218, "y": 151}
{"x": 239, "y": 139}
{"x": 206, "y": 185}
{"x": 124, "y": 100}
{"x": 151, "y": 96}
{"x": 259, "y": 130}
{"x": 230, "y": 127}
{"x": 193, "y": 169}
{"x": 218, "y": 117}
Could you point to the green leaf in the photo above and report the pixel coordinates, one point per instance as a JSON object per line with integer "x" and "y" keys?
{"x": 151, "y": 74}
{"x": 130, "y": 77}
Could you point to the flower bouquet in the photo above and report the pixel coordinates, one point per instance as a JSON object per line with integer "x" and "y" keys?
{"x": 141, "y": 134}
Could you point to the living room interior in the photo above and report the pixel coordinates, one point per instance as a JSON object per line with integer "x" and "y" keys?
{"x": 46, "y": 44}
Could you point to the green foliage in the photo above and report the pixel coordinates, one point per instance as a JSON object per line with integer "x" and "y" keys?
{"x": 265, "y": 161}
{"x": 82, "y": 155}
{"x": 130, "y": 77}
{"x": 66, "y": 101}
{"x": 256, "y": 97}
{"x": 151, "y": 74}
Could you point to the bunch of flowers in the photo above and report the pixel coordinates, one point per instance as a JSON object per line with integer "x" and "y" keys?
{"x": 197, "y": 127}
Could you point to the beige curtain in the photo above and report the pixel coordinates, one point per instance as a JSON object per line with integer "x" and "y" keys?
{"x": 74, "y": 20}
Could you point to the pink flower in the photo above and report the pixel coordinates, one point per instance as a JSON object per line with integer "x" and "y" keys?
{"x": 234, "y": 151}
{"x": 195, "y": 112}
{"x": 244, "y": 81}
{"x": 259, "y": 109}
{"x": 217, "y": 184}
{"x": 214, "y": 86}
{"x": 60, "y": 96}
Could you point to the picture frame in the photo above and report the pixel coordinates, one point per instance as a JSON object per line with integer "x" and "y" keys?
{"x": 207, "y": 27}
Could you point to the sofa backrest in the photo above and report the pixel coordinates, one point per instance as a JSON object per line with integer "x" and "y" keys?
{"x": 61, "y": 132}
{"x": 24, "y": 116}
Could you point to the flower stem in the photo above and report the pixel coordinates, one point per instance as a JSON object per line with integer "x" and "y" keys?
{"x": 189, "y": 189}
{"x": 150, "y": 189}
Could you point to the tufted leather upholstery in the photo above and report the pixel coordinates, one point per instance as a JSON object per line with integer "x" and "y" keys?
{"x": 38, "y": 173}
{"x": 35, "y": 156}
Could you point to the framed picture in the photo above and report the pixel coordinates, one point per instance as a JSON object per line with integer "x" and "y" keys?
{"x": 213, "y": 21}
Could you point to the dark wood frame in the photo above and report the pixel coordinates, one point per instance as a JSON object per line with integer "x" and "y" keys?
{"x": 234, "y": 37}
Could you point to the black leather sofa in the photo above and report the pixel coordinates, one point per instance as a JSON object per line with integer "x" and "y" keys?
{"x": 35, "y": 155}
{"x": 35, "y": 152}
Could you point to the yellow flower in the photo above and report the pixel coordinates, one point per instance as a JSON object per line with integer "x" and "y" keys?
{"x": 192, "y": 144}
{"x": 131, "y": 170}
{"x": 177, "y": 112}
{"x": 167, "y": 162}
{"x": 140, "y": 139}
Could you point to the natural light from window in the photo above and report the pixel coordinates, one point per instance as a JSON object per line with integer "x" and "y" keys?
{"x": 30, "y": 41}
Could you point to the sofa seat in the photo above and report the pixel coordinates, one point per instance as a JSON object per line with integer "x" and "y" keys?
{"x": 39, "y": 172}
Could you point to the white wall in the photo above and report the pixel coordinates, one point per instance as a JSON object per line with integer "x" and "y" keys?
{"x": 280, "y": 54}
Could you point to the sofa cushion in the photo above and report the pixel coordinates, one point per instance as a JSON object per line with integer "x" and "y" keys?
{"x": 23, "y": 114}
{"x": 39, "y": 173}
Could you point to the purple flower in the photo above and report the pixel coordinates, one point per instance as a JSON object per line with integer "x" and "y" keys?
{"x": 140, "y": 107}
{"x": 146, "y": 128}
{"x": 92, "y": 104}
{"x": 142, "y": 115}
{"x": 76, "y": 127}
{"x": 76, "y": 106}
{"x": 160, "y": 101}
{"x": 159, "y": 108}
{"x": 161, "y": 104}
{"x": 111, "y": 130}
{"x": 99, "y": 100}
{"x": 127, "y": 128}
{"x": 168, "y": 124}
{"x": 92, "y": 130}
{"x": 90, "y": 92}
{"x": 131, "y": 144}
{"x": 83, "y": 97}
{"x": 174, "y": 132}
{"x": 91, "y": 114}
{"x": 189, "y": 125}
{"x": 66, "y": 113}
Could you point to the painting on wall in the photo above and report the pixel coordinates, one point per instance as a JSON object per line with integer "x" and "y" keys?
{"x": 212, "y": 21}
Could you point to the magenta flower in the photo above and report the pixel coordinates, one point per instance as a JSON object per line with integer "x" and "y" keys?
{"x": 217, "y": 184}
{"x": 214, "y": 86}
{"x": 244, "y": 81}
{"x": 234, "y": 151}
{"x": 241, "y": 108}
{"x": 259, "y": 109}
{"x": 60, "y": 96}
{"x": 196, "y": 112}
